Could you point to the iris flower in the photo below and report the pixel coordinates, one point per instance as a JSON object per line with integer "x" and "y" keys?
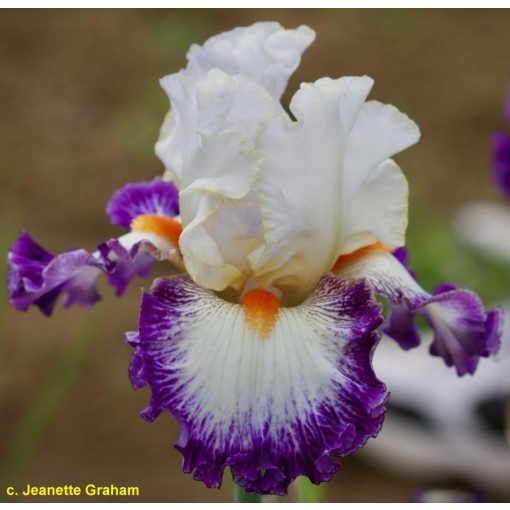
{"x": 285, "y": 226}
{"x": 501, "y": 155}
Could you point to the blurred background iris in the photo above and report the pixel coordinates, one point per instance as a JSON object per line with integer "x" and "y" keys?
{"x": 81, "y": 109}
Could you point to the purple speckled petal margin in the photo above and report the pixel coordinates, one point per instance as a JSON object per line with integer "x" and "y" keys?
{"x": 137, "y": 198}
{"x": 463, "y": 331}
{"x": 399, "y": 323}
{"x": 36, "y": 276}
{"x": 122, "y": 265}
{"x": 270, "y": 408}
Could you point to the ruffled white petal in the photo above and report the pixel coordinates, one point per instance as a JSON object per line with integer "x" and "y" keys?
{"x": 268, "y": 199}
{"x": 214, "y": 119}
{"x": 380, "y": 131}
{"x": 264, "y": 51}
{"x": 315, "y": 203}
{"x": 159, "y": 247}
{"x": 216, "y": 170}
{"x": 377, "y": 210}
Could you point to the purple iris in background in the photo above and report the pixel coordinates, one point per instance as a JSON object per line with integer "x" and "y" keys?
{"x": 284, "y": 229}
{"x": 501, "y": 155}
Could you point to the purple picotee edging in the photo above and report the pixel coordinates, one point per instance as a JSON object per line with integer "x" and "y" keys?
{"x": 463, "y": 331}
{"x": 399, "y": 323}
{"x": 38, "y": 277}
{"x": 137, "y": 198}
{"x": 306, "y": 446}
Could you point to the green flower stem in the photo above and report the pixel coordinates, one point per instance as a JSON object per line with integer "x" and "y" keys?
{"x": 309, "y": 492}
{"x": 41, "y": 413}
{"x": 241, "y": 497}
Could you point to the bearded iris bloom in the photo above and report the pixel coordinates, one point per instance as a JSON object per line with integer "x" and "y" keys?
{"x": 285, "y": 227}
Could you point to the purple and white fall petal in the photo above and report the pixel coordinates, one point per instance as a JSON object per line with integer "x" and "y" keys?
{"x": 38, "y": 277}
{"x": 463, "y": 331}
{"x": 271, "y": 408}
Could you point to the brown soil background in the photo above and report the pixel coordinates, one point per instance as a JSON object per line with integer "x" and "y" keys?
{"x": 80, "y": 109}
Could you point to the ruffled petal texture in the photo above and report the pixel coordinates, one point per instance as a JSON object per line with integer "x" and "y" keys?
{"x": 264, "y": 52}
{"x": 326, "y": 182}
{"x": 211, "y": 152}
{"x": 139, "y": 198}
{"x": 463, "y": 331}
{"x": 272, "y": 406}
{"x": 38, "y": 277}
{"x": 268, "y": 201}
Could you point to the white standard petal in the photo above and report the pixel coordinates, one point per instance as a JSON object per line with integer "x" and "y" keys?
{"x": 218, "y": 170}
{"x": 375, "y": 191}
{"x": 264, "y": 51}
{"x": 316, "y": 203}
{"x": 380, "y": 131}
{"x": 215, "y": 105}
{"x": 377, "y": 210}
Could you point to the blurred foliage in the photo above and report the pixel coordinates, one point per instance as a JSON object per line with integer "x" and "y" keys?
{"x": 42, "y": 410}
{"x": 438, "y": 256}
{"x": 187, "y": 28}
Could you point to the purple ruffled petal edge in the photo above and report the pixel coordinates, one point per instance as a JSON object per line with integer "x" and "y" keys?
{"x": 400, "y": 325}
{"x": 37, "y": 277}
{"x": 463, "y": 331}
{"x": 123, "y": 265}
{"x": 400, "y": 321}
{"x": 137, "y": 198}
{"x": 266, "y": 467}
